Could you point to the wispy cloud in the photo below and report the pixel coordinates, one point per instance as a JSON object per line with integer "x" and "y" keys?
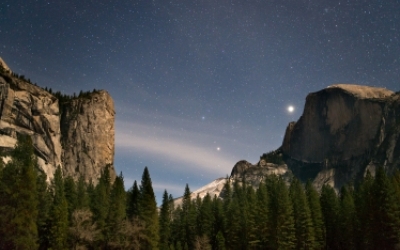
{"x": 175, "y": 145}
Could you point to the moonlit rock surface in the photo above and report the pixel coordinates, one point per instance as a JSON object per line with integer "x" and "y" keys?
{"x": 4, "y": 65}
{"x": 344, "y": 128}
{"x": 88, "y": 136}
{"x": 363, "y": 92}
{"x": 81, "y": 141}
{"x": 243, "y": 170}
{"x": 30, "y": 110}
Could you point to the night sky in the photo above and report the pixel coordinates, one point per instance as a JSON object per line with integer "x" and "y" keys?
{"x": 200, "y": 85}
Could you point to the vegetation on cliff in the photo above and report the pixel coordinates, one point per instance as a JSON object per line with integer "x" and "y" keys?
{"x": 74, "y": 215}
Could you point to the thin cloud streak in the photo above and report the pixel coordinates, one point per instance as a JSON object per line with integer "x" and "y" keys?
{"x": 190, "y": 149}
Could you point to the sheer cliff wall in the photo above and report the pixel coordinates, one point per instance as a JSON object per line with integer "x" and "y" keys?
{"x": 79, "y": 137}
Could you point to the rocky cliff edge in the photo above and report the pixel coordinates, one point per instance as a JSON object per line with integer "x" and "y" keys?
{"x": 79, "y": 136}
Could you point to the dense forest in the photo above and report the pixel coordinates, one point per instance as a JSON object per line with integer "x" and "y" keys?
{"x": 68, "y": 214}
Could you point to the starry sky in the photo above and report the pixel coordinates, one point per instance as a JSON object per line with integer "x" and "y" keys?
{"x": 199, "y": 85}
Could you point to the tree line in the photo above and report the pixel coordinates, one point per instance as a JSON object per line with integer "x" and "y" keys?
{"x": 69, "y": 214}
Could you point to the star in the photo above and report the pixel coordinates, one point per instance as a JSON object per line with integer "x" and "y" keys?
{"x": 290, "y": 109}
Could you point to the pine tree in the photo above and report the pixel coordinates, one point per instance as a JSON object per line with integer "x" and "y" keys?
{"x": 70, "y": 194}
{"x": 218, "y": 227}
{"x": 205, "y": 220}
{"x": 386, "y": 224}
{"x": 101, "y": 204}
{"x": 188, "y": 219}
{"x": 261, "y": 216}
{"x": 165, "y": 222}
{"x": 82, "y": 201}
{"x": 364, "y": 202}
{"x": 18, "y": 203}
{"x": 248, "y": 207}
{"x": 117, "y": 212}
{"x": 220, "y": 240}
{"x": 282, "y": 231}
{"x": 347, "y": 219}
{"x": 330, "y": 209}
{"x": 316, "y": 215}
{"x": 44, "y": 204}
{"x": 233, "y": 225}
{"x": 133, "y": 201}
{"x": 177, "y": 226}
{"x": 302, "y": 216}
{"x": 58, "y": 213}
{"x": 148, "y": 211}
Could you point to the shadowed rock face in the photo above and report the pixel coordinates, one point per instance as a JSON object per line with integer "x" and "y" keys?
{"x": 343, "y": 129}
{"x": 30, "y": 110}
{"x": 88, "y": 135}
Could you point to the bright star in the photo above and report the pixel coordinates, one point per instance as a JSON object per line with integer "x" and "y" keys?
{"x": 290, "y": 109}
{"x": 218, "y": 148}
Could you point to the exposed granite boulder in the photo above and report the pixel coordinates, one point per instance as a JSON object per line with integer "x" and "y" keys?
{"x": 30, "y": 110}
{"x": 343, "y": 129}
{"x": 88, "y": 135}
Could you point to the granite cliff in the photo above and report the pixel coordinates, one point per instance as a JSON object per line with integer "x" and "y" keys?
{"x": 77, "y": 134}
{"x": 87, "y": 127}
{"x": 344, "y": 131}
{"x": 28, "y": 109}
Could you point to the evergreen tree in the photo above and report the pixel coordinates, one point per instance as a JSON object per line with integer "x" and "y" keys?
{"x": 364, "y": 202}
{"x": 347, "y": 219}
{"x": 148, "y": 211}
{"x": 386, "y": 224}
{"x": 165, "y": 222}
{"x": 177, "y": 227}
{"x": 58, "y": 213}
{"x": 101, "y": 204}
{"x": 248, "y": 208}
{"x": 117, "y": 212}
{"x": 44, "y": 205}
{"x": 133, "y": 201}
{"x": 188, "y": 220}
{"x": 330, "y": 209}
{"x": 233, "y": 225}
{"x": 316, "y": 215}
{"x": 18, "y": 203}
{"x": 70, "y": 194}
{"x": 220, "y": 241}
{"x": 82, "y": 201}
{"x": 261, "y": 216}
{"x": 282, "y": 231}
{"x": 218, "y": 227}
{"x": 302, "y": 216}
{"x": 205, "y": 220}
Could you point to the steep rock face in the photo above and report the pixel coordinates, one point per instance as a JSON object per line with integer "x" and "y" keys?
{"x": 81, "y": 140}
{"x": 28, "y": 109}
{"x": 254, "y": 174}
{"x": 242, "y": 171}
{"x": 88, "y": 135}
{"x": 342, "y": 130}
